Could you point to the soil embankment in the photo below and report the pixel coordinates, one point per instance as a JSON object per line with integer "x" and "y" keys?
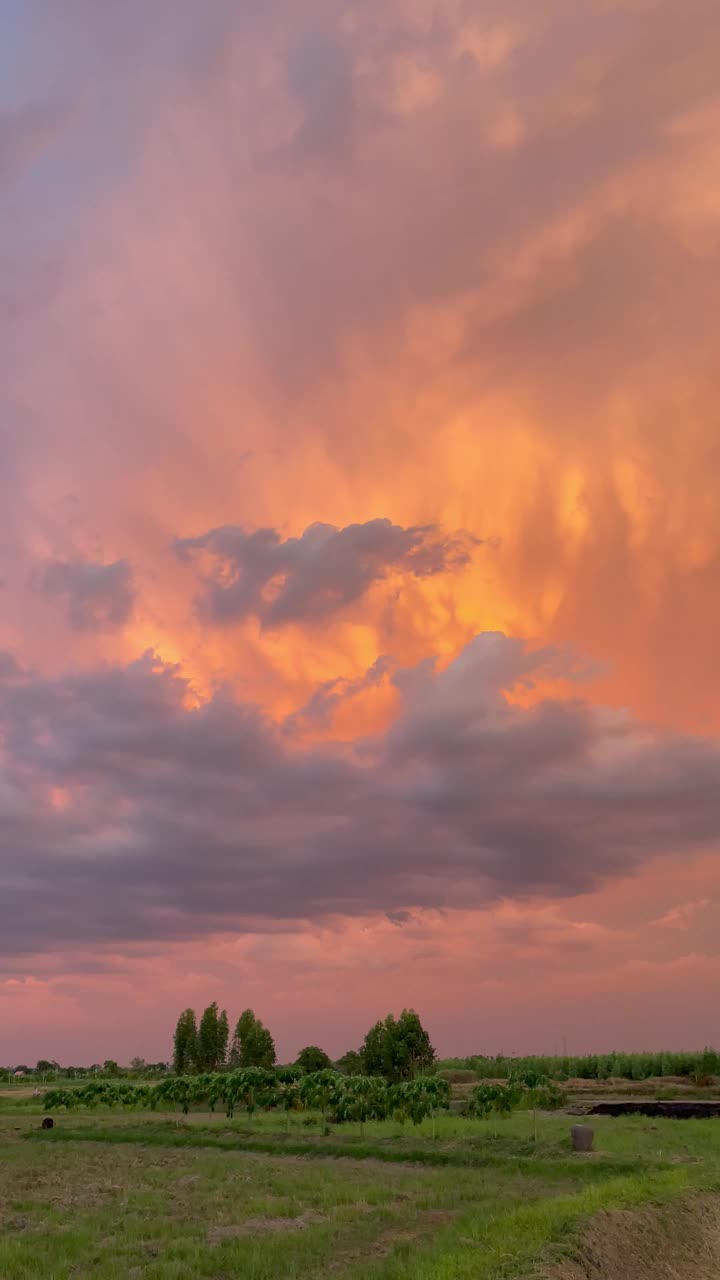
{"x": 675, "y": 1110}
{"x": 675, "y": 1242}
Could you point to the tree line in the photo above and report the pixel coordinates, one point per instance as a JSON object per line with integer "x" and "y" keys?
{"x": 46, "y": 1070}
{"x": 394, "y": 1048}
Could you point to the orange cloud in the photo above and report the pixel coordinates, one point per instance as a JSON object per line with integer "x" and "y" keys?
{"x": 453, "y": 270}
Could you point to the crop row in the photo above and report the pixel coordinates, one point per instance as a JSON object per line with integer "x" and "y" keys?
{"x": 336, "y": 1096}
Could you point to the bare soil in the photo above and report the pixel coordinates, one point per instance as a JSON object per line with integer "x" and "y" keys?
{"x": 675, "y": 1242}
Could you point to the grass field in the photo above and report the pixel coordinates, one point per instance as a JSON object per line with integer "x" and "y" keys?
{"x": 108, "y": 1194}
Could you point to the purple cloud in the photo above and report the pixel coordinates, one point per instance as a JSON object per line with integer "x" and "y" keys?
{"x": 98, "y": 597}
{"x": 308, "y": 579}
{"x": 179, "y": 822}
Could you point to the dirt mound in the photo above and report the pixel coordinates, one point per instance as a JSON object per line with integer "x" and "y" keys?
{"x": 676, "y": 1242}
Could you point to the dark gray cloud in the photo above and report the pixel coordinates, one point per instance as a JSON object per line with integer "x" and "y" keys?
{"x": 307, "y": 579}
{"x": 128, "y": 815}
{"x": 98, "y": 597}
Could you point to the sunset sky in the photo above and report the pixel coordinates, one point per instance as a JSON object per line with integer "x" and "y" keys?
{"x": 359, "y": 521}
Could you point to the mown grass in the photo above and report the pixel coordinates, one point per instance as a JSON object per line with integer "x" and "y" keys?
{"x": 108, "y": 1195}
{"x": 457, "y": 1138}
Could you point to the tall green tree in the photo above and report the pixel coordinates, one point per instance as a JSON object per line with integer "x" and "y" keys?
{"x": 252, "y": 1044}
{"x": 185, "y": 1044}
{"x": 223, "y": 1038}
{"x": 211, "y": 1048}
{"x": 398, "y": 1049}
{"x": 374, "y": 1050}
{"x": 311, "y": 1058}
{"x": 414, "y": 1051}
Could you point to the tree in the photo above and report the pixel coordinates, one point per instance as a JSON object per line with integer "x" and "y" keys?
{"x": 373, "y": 1053}
{"x": 212, "y": 1038}
{"x": 494, "y": 1099}
{"x": 535, "y": 1081}
{"x": 320, "y": 1090}
{"x": 351, "y": 1063}
{"x": 110, "y": 1067}
{"x": 312, "y": 1059}
{"x": 416, "y": 1099}
{"x": 137, "y": 1065}
{"x": 252, "y": 1045}
{"x": 185, "y": 1048}
{"x": 414, "y": 1052}
{"x": 223, "y": 1038}
{"x": 397, "y": 1049}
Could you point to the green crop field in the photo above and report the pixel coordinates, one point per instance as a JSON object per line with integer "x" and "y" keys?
{"x": 161, "y": 1196}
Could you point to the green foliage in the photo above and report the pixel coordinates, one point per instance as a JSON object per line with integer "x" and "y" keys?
{"x": 397, "y": 1049}
{"x": 185, "y": 1048}
{"x": 495, "y": 1099}
{"x": 289, "y": 1075}
{"x": 481, "y": 1101}
{"x": 342, "y": 1098}
{"x": 321, "y": 1089}
{"x": 360, "y": 1098}
{"x": 417, "y": 1099}
{"x": 253, "y": 1045}
{"x": 311, "y": 1058}
{"x": 223, "y": 1038}
{"x": 44, "y": 1067}
{"x": 507, "y": 1098}
{"x": 621, "y": 1066}
{"x": 550, "y": 1098}
{"x": 212, "y": 1038}
{"x": 531, "y": 1076}
{"x": 351, "y": 1063}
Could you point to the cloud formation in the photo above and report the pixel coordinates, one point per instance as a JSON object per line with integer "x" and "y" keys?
{"x": 300, "y": 263}
{"x": 310, "y": 578}
{"x": 98, "y": 597}
{"x": 132, "y": 814}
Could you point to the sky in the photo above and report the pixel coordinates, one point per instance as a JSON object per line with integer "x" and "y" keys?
{"x": 359, "y": 533}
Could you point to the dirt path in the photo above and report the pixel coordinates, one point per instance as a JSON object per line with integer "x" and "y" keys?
{"x": 675, "y": 1242}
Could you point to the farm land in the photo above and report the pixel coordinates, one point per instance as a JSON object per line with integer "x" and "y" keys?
{"x": 125, "y": 1190}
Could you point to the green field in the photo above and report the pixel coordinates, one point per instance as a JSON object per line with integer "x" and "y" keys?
{"x": 107, "y": 1194}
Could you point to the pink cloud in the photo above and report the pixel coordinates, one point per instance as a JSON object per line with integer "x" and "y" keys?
{"x": 295, "y": 269}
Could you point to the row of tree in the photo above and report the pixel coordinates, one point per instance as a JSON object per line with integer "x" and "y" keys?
{"x": 206, "y": 1046}
{"x": 335, "y": 1097}
{"x": 47, "y": 1070}
{"x": 395, "y": 1048}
